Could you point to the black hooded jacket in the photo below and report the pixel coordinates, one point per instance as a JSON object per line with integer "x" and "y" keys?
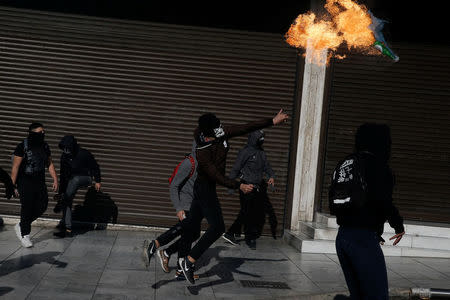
{"x": 251, "y": 162}
{"x": 212, "y": 156}
{"x": 79, "y": 162}
{"x": 380, "y": 207}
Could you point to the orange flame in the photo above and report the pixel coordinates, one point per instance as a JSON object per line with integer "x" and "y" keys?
{"x": 347, "y": 23}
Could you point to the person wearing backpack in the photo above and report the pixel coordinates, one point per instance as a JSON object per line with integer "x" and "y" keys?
{"x": 360, "y": 196}
{"x": 30, "y": 159}
{"x": 78, "y": 167}
{"x": 250, "y": 166}
{"x": 181, "y": 188}
{"x": 212, "y": 149}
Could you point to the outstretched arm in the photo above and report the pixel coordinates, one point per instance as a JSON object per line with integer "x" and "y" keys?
{"x": 237, "y": 130}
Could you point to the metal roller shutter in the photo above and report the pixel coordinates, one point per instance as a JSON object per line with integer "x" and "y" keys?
{"x": 131, "y": 92}
{"x": 412, "y": 96}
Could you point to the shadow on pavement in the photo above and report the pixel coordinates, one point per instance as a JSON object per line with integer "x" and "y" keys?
{"x": 224, "y": 269}
{"x": 27, "y": 261}
{"x": 5, "y": 290}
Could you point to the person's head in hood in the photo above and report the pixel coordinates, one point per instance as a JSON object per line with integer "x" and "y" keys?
{"x": 69, "y": 145}
{"x": 256, "y": 138}
{"x": 36, "y": 134}
{"x": 374, "y": 138}
{"x": 209, "y": 126}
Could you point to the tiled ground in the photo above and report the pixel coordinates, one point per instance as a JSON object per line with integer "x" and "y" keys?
{"x": 107, "y": 265}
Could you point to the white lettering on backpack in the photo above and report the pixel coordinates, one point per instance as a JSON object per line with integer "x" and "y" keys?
{"x": 345, "y": 171}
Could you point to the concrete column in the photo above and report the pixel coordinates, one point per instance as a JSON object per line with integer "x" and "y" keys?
{"x": 308, "y": 138}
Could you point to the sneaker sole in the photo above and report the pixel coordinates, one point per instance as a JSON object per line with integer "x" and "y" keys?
{"x": 161, "y": 260}
{"x": 145, "y": 257}
{"x": 229, "y": 241}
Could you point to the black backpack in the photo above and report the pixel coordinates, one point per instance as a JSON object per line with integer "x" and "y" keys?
{"x": 348, "y": 189}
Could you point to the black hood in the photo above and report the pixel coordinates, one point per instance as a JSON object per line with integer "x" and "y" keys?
{"x": 69, "y": 142}
{"x": 254, "y": 138}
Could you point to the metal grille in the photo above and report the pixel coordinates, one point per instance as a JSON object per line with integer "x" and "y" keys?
{"x": 410, "y": 96}
{"x": 131, "y": 92}
{"x": 265, "y": 284}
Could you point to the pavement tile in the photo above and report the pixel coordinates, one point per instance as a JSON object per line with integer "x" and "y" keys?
{"x": 107, "y": 264}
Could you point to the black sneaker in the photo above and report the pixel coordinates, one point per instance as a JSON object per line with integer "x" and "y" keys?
{"x": 148, "y": 250}
{"x": 229, "y": 237}
{"x": 188, "y": 269}
{"x": 63, "y": 233}
{"x": 251, "y": 244}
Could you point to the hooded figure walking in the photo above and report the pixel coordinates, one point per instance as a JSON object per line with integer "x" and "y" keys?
{"x": 250, "y": 166}
{"x": 78, "y": 166}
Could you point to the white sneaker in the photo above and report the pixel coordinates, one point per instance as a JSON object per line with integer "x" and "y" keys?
{"x": 26, "y": 242}
{"x": 18, "y": 232}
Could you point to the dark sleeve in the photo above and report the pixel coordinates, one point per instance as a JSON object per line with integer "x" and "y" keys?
{"x": 64, "y": 175}
{"x": 238, "y": 164}
{"x": 20, "y": 151}
{"x": 237, "y": 130}
{"x": 95, "y": 168}
{"x": 381, "y": 186}
{"x": 391, "y": 212}
{"x": 205, "y": 164}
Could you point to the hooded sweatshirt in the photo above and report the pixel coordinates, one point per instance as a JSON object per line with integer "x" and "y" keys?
{"x": 182, "y": 186}
{"x": 212, "y": 156}
{"x": 251, "y": 162}
{"x": 78, "y": 162}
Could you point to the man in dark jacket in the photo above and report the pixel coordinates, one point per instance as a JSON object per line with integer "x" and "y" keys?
{"x": 31, "y": 157}
{"x": 250, "y": 166}
{"x": 212, "y": 149}
{"x": 362, "y": 223}
{"x": 9, "y": 187}
{"x": 78, "y": 166}
{"x": 181, "y": 194}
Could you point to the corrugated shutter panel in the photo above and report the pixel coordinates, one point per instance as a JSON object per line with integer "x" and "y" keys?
{"x": 412, "y": 96}
{"x": 131, "y": 92}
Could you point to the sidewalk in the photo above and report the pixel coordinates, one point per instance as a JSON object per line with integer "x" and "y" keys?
{"x": 107, "y": 265}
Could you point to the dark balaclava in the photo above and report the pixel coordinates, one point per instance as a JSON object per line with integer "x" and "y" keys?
{"x": 374, "y": 138}
{"x": 210, "y": 126}
{"x": 260, "y": 141}
{"x": 35, "y": 138}
{"x": 69, "y": 146}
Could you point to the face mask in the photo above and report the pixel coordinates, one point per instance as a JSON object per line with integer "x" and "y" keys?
{"x": 260, "y": 141}
{"x": 36, "y": 138}
{"x": 67, "y": 151}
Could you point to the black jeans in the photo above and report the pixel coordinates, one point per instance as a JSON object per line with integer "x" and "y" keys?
{"x": 74, "y": 184}
{"x": 172, "y": 234}
{"x": 251, "y": 214}
{"x": 204, "y": 205}
{"x": 33, "y": 200}
{"x": 362, "y": 262}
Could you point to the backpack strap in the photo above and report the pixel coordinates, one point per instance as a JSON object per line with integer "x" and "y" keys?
{"x": 191, "y": 159}
{"x": 25, "y": 145}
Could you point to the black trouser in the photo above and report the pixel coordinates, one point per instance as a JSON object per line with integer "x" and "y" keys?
{"x": 172, "y": 234}
{"x": 252, "y": 213}
{"x": 362, "y": 262}
{"x": 204, "y": 205}
{"x": 33, "y": 200}
{"x": 74, "y": 184}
